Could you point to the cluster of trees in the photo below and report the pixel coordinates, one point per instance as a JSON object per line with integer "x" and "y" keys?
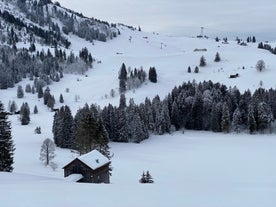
{"x": 51, "y": 37}
{"x": 268, "y": 47}
{"x": 42, "y": 67}
{"x": 251, "y": 39}
{"x": 205, "y": 106}
{"x": 84, "y": 132}
{"x": 132, "y": 79}
{"x": 203, "y": 63}
{"x": 146, "y": 178}
{"x": 87, "y": 28}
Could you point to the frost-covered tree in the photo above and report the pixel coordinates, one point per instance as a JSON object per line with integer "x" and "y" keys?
{"x": 35, "y": 109}
{"x": 28, "y": 88}
{"x": 260, "y": 65}
{"x": 251, "y": 122}
{"x": 63, "y": 128}
{"x": 13, "y": 107}
{"x": 20, "y": 92}
{"x": 265, "y": 116}
{"x": 6, "y": 142}
{"x": 237, "y": 120}
{"x": 47, "y": 151}
{"x": 25, "y": 114}
{"x": 197, "y": 109}
{"x": 225, "y": 118}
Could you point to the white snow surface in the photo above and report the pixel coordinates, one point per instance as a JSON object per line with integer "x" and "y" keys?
{"x": 195, "y": 169}
{"x": 94, "y": 159}
{"x": 74, "y": 177}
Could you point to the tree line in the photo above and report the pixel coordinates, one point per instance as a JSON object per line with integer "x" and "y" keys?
{"x": 42, "y": 67}
{"x": 195, "y": 106}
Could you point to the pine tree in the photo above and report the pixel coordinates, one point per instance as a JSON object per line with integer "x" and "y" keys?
{"x": 175, "y": 116}
{"x": 225, "y": 119}
{"x": 217, "y": 57}
{"x": 61, "y": 100}
{"x": 265, "y": 116}
{"x": 6, "y": 142}
{"x": 39, "y": 91}
{"x": 46, "y": 95}
{"x": 146, "y": 178}
{"x": 189, "y": 69}
{"x": 13, "y": 107}
{"x": 86, "y": 133}
{"x": 47, "y": 151}
{"x": 122, "y": 104}
{"x": 122, "y": 86}
{"x": 202, "y": 61}
{"x": 28, "y": 88}
{"x": 123, "y": 73}
{"x": 152, "y": 75}
{"x": 197, "y": 109}
{"x": 35, "y": 109}
{"x": 252, "y": 126}
{"x": 20, "y": 92}
{"x": 196, "y": 69}
{"x": 237, "y": 120}
{"x": 63, "y": 128}
{"x": 25, "y": 114}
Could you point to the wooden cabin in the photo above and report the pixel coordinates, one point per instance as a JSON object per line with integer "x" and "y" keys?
{"x": 92, "y": 167}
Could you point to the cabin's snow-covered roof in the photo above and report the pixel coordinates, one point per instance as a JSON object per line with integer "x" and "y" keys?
{"x": 94, "y": 159}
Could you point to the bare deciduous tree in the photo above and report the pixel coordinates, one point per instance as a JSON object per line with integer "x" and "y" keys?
{"x": 260, "y": 66}
{"x": 47, "y": 152}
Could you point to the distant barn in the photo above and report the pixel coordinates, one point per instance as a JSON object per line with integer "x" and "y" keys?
{"x": 92, "y": 167}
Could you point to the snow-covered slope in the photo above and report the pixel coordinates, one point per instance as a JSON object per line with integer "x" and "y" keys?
{"x": 190, "y": 169}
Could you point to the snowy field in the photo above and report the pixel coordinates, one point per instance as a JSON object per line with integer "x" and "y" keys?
{"x": 192, "y": 169}
{"x": 196, "y": 169}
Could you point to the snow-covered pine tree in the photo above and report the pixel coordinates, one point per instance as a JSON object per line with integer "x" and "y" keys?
{"x": 63, "y": 128}
{"x": 175, "y": 116}
{"x": 197, "y": 109}
{"x": 237, "y": 120}
{"x": 216, "y": 117}
{"x": 20, "y": 92}
{"x": 265, "y": 117}
{"x": 251, "y": 122}
{"x": 25, "y": 114}
{"x": 6, "y": 142}
{"x": 225, "y": 118}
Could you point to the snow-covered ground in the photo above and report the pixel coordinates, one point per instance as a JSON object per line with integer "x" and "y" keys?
{"x": 190, "y": 169}
{"x": 196, "y": 169}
